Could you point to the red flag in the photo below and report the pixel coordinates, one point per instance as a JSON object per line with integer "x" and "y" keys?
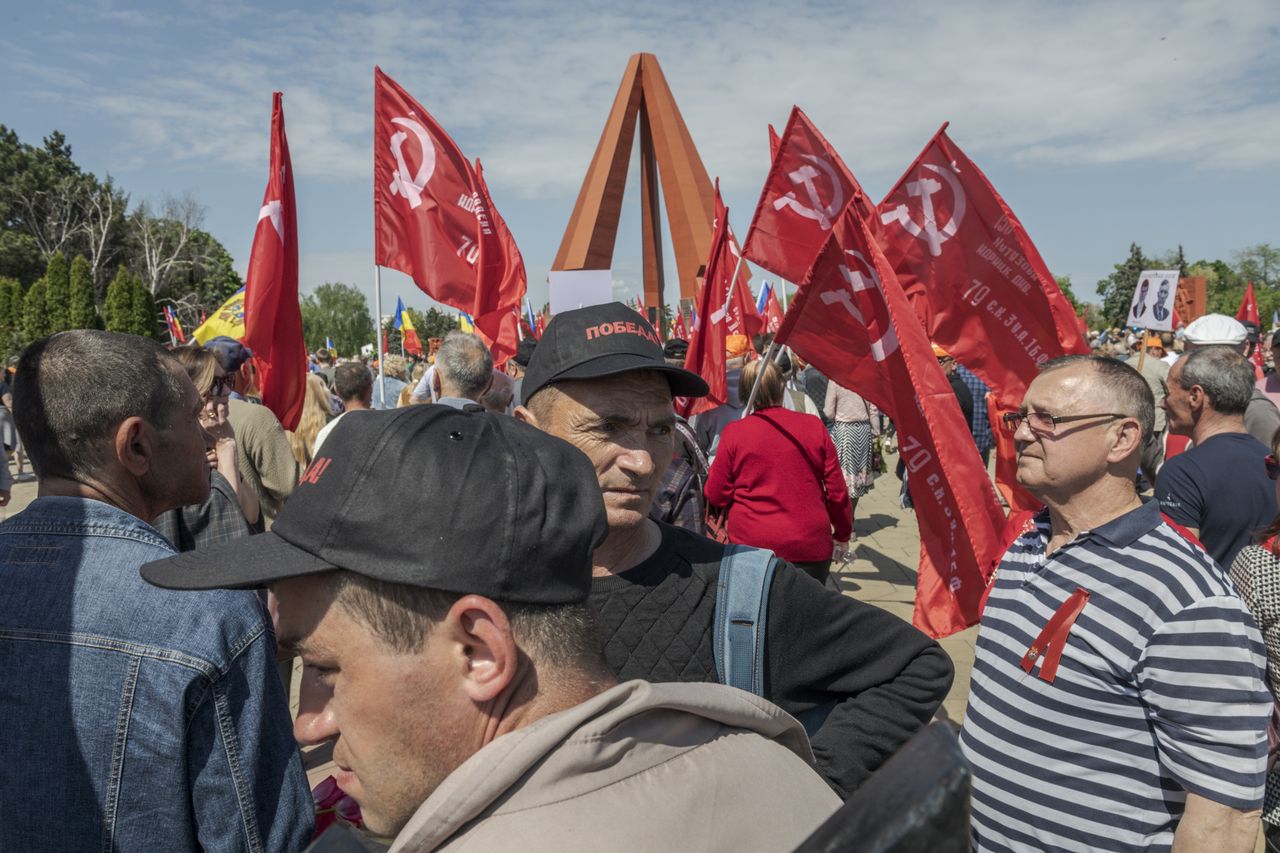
{"x": 1248, "y": 313}
{"x": 808, "y": 188}
{"x": 852, "y": 320}
{"x": 774, "y": 142}
{"x": 542, "y": 325}
{"x": 435, "y": 221}
{"x": 678, "y": 329}
{"x": 742, "y": 316}
{"x": 706, "y": 355}
{"x": 772, "y": 312}
{"x": 1018, "y": 498}
{"x": 972, "y": 273}
{"x": 272, "y": 318}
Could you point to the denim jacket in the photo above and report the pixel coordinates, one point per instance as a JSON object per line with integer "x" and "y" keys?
{"x": 135, "y": 718}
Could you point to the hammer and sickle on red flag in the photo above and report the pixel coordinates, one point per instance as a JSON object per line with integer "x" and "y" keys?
{"x": 868, "y": 292}
{"x": 924, "y": 188}
{"x": 402, "y": 183}
{"x": 803, "y": 176}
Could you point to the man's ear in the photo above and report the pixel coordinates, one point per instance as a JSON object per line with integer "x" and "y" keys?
{"x": 134, "y": 445}
{"x": 523, "y": 414}
{"x": 479, "y": 629}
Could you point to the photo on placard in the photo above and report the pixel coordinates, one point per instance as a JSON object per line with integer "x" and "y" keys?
{"x": 1152, "y": 306}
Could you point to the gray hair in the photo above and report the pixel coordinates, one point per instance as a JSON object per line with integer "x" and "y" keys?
{"x": 464, "y": 362}
{"x": 74, "y": 388}
{"x": 1225, "y": 375}
{"x": 1128, "y": 390}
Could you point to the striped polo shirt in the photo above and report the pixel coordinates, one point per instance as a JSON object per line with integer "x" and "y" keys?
{"x": 1159, "y": 691}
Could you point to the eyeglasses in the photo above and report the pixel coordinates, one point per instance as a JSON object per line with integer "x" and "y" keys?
{"x": 1047, "y": 424}
{"x": 1273, "y": 466}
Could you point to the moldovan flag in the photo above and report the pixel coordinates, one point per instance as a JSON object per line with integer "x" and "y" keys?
{"x": 975, "y": 278}
{"x": 273, "y": 320}
{"x": 807, "y": 190}
{"x": 175, "y": 328}
{"x": 227, "y": 321}
{"x": 408, "y": 333}
{"x": 1248, "y": 313}
{"x": 435, "y": 221}
{"x": 852, "y": 321}
{"x": 706, "y": 355}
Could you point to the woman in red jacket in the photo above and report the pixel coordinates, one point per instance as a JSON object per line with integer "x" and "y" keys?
{"x": 778, "y": 474}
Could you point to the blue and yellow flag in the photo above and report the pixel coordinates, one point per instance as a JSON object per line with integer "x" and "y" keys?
{"x": 465, "y": 323}
{"x": 227, "y": 320}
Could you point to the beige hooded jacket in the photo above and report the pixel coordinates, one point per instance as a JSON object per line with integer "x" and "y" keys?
{"x": 689, "y": 767}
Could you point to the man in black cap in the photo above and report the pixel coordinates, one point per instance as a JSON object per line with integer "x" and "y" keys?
{"x": 598, "y": 380}
{"x": 456, "y": 667}
{"x": 266, "y": 460}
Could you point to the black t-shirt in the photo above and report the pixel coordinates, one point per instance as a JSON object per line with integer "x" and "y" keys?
{"x": 887, "y": 677}
{"x": 1220, "y": 488}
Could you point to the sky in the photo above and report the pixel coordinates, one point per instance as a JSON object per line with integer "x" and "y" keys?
{"x": 1100, "y": 123}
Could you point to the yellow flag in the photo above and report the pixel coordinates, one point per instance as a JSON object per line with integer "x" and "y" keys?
{"x": 227, "y": 320}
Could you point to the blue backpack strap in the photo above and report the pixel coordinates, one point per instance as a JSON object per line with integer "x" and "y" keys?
{"x": 742, "y": 609}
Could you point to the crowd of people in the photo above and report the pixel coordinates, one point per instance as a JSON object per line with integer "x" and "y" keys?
{"x": 509, "y": 590}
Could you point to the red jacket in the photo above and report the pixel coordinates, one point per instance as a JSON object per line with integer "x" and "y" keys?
{"x": 778, "y": 473}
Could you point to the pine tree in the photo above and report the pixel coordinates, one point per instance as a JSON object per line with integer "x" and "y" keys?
{"x": 144, "y": 319}
{"x": 10, "y": 316}
{"x": 118, "y": 307}
{"x": 57, "y": 294}
{"x": 35, "y": 319}
{"x": 81, "y": 313}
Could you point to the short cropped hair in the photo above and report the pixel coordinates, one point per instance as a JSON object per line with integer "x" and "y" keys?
{"x": 352, "y": 381}
{"x": 402, "y": 617}
{"x": 465, "y": 363}
{"x": 1225, "y": 375}
{"x": 770, "y": 393}
{"x": 1128, "y": 390}
{"x": 73, "y": 390}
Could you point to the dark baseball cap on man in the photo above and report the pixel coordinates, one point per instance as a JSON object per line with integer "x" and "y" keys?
{"x": 429, "y": 496}
{"x": 602, "y": 340}
{"x": 230, "y": 352}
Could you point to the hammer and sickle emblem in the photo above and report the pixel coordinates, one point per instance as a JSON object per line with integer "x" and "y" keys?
{"x": 815, "y": 209}
{"x": 925, "y": 188}
{"x": 869, "y": 283}
{"x": 401, "y": 183}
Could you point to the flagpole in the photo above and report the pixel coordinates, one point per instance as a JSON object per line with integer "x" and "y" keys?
{"x": 377, "y": 301}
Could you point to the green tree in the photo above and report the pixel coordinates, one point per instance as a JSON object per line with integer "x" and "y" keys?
{"x": 82, "y": 313}
{"x": 339, "y": 312}
{"x": 144, "y": 316}
{"x": 118, "y": 309}
{"x": 35, "y": 318}
{"x": 11, "y": 312}
{"x": 1064, "y": 284}
{"x": 1223, "y": 286}
{"x": 1261, "y": 265}
{"x": 57, "y": 293}
{"x": 1117, "y": 288}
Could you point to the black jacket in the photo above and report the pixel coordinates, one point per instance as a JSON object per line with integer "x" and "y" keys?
{"x": 887, "y": 677}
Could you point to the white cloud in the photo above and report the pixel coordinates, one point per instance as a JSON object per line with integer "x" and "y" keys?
{"x": 526, "y": 87}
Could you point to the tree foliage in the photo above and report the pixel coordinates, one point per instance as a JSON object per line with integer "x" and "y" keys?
{"x": 35, "y": 323}
{"x": 432, "y": 323}
{"x": 11, "y": 316}
{"x": 338, "y": 312}
{"x": 1117, "y": 288}
{"x": 81, "y": 313}
{"x": 57, "y": 294}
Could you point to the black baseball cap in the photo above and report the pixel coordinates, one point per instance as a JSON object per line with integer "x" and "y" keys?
{"x": 602, "y": 340}
{"x": 430, "y": 496}
{"x": 524, "y": 351}
{"x": 230, "y": 352}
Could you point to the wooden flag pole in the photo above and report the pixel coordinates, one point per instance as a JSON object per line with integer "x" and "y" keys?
{"x": 1142, "y": 348}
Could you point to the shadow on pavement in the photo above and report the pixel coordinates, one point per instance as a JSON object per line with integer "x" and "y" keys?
{"x": 874, "y": 523}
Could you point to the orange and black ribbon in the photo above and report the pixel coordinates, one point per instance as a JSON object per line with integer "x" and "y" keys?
{"x": 1053, "y": 638}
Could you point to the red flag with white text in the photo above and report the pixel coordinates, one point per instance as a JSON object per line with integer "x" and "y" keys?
{"x": 853, "y": 322}
{"x": 434, "y": 220}
{"x": 706, "y": 354}
{"x": 272, "y": 317}
{"x": 972, "y": 273}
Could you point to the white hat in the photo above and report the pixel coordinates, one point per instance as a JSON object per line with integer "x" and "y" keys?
{"x": 1215, "y": 329}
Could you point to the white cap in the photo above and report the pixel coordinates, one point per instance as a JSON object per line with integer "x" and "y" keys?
{"x": 1215, "y": 329}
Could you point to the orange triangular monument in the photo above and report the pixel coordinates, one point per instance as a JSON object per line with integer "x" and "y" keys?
{"x": 667, "y": 158}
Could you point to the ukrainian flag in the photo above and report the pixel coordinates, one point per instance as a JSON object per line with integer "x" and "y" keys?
{"x": 227, "y": 320}
{"x": 465, "y": 323}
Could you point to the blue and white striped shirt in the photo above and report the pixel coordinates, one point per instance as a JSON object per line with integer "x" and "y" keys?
{"x": 1159, "y": 691}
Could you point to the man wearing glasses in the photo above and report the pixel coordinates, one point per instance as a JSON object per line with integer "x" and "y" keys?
{"x": 1117, "y": 700}
{"x": 1218, "y": 488}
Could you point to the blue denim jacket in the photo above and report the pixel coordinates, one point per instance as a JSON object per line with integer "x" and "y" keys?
{"x": 135, "y": 718}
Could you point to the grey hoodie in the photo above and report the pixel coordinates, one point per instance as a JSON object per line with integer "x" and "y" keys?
{"x": 690, "y": 767}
